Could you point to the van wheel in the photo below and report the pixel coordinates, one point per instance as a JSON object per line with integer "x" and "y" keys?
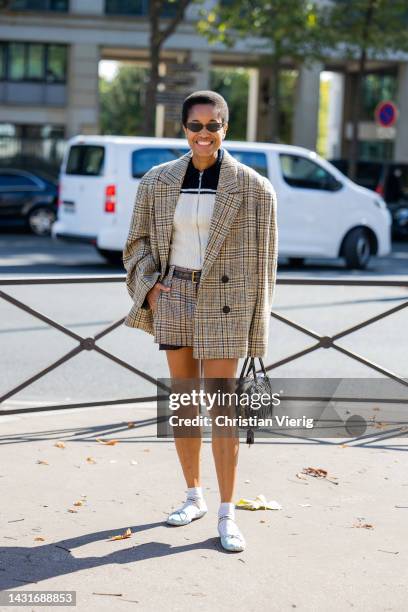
{"x": 113, "y": 257}
{"x": 296, "y": 262}
{"x": 356, "y": 249}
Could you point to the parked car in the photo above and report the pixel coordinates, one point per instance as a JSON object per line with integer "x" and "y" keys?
{"x": 390, "y": 180}
{"x": 27, "y": 199}
{"x": 321, "y": 213}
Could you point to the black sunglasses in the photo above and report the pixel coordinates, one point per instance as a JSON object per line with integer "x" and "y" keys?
{"x": 196, "y": 126}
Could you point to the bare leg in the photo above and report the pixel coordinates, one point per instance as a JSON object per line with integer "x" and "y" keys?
{"x": 182, "y": 365}
{"x": 225, "y": 448}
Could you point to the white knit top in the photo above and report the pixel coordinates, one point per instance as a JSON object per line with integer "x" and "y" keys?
{"x": 193, "y": 214}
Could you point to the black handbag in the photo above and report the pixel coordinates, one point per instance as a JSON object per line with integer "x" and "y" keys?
{"x": 249, "y": 383}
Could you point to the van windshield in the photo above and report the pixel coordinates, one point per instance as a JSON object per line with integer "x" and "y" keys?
{"x": 86, "y": 160}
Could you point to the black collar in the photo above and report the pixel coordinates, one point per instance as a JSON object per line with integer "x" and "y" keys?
{"x": 210, "y": 175}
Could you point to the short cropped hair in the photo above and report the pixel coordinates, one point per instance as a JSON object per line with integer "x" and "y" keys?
{"x": 205, "y": 97}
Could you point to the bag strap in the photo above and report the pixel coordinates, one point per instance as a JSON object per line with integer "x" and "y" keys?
{"x": 252, "y": 367}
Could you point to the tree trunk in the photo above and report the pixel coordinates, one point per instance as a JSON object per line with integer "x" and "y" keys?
{"x": 356, "y": 107}
{"x": 274, "y": 101}
{"x": 151, "y": 89}
{"x": 157, "y": 37}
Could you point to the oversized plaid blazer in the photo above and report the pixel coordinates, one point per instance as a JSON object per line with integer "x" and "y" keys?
{"x": 242, "y": 247}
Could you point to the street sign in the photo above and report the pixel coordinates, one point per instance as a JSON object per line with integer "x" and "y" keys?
{"x": 170, "y": 97}
{"x": 386, "y": 113}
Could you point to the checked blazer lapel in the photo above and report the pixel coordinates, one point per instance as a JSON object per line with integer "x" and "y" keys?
{"x": 226, "y": 205}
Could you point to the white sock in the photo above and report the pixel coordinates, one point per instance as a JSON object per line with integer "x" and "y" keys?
{"x": 195, "y": 493}
{"x": 194, "y": 504}
{"x": 228, "y": 526}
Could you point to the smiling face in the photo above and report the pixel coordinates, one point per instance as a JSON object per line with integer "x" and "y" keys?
{"x": 205, "y": 144}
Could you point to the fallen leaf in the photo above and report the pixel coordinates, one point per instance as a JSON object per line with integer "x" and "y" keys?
{"x": 318, "y": 473}
{"x": 72, "y": 510}
{"x": 42, "y": 462}
{"x": 90, "y": 460}
{"x": 300, "y": 476}
{"x": 107, "y": 442}
{"x": 59, "y": 444}
{"x": 39, "y": 539}
{"x": 361, "y": 525}
{"x": 130, "y": 425}
{"x": 127, "y": 534}
{"x": 79, "y": 503}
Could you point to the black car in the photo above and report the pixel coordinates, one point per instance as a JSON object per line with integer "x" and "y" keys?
{"x": 390, "y": 180}
{"x": 28, "y": 199}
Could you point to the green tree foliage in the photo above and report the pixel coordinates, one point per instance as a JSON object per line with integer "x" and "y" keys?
{"x": 363, "y": 30}
{"x": 288, "y": 29}
{"x": 233, "y": 85}
{"x": 122, "y": 102}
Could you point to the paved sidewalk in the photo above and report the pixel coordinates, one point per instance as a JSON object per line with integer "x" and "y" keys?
{"x": 315, "y": 554}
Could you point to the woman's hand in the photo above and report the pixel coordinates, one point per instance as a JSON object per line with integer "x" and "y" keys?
{"x": 153, "y": 295}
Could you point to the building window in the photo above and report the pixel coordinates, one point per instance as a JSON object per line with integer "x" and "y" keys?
{"x": 376, "y": 88}
{"x": 138, "y": 8}
{"x": 16, "y": 61}
{"x": 23, "y": 143}
{"x": 61, "y": 6}
{"x": 2, "y": 61}
{"x": 56, "y": 69}
{"x": 33, "y": 62}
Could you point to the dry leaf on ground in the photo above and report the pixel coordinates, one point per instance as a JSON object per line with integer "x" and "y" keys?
{"x": 127, "y": 534}
{"x": 318, "y": 473}
{"x": 59, "y": 444}
{"x": 107, "y": 442}
{"x": 42, "y": 462}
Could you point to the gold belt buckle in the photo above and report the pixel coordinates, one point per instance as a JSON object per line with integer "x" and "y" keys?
{"x": 194, "y": 272}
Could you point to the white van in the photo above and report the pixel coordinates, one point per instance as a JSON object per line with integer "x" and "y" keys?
{"x": 321, "y": 213}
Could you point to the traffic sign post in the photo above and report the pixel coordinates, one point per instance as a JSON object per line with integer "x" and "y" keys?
{"x": 386, "y": 113}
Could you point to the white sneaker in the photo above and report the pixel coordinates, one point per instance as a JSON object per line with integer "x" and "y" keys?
{"x": 191, "y": 510}
{"x": 231, "y": 537}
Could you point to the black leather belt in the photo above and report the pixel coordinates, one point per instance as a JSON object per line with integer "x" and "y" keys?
{"x": 191, "y": 275}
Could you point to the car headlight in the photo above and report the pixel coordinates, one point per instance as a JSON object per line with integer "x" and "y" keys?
{"x": 401, "y": 214}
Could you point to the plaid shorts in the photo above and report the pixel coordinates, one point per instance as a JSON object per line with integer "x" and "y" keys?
{"x": 174, "y": 313}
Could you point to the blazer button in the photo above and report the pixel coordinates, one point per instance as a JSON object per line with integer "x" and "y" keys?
{"x": 226, "y": 309}
{"x": 225, "y": 278}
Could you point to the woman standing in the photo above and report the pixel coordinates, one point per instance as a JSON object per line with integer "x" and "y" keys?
{"x": 201, "y": 260}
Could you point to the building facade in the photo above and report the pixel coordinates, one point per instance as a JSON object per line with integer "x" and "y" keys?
{"x": 49, "y": 56}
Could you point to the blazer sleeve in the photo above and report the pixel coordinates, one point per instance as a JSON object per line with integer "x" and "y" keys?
{"x": 267, "y": 232}
{"x": 138, "y": 260}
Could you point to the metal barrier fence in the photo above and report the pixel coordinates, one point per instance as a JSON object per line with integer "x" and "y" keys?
{"x": 90, "y": 343}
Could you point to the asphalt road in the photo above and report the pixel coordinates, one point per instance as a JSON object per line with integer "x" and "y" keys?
{"x": 29, "y": 345}
{"x": 22, "y": 253}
